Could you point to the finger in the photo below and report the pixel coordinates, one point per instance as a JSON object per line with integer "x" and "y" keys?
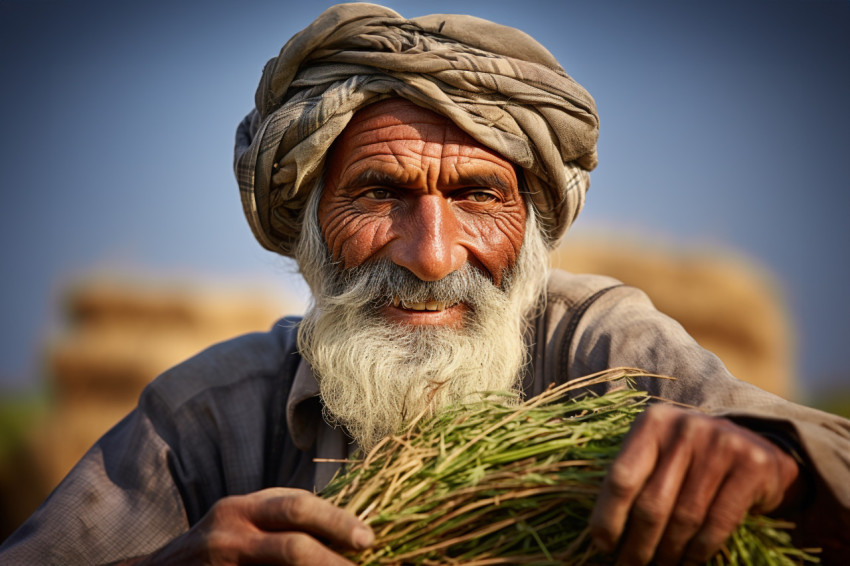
{"x": 626, "y": 476}
{"x": 780, "y": 486}
{"x": 292, "y": 548}
{"x": 733, "y": 459}
{"x": 706, "y": 475}
{"x": 654, "y": 505}
{"x": 755, "y": 482}
{"x": 292, "y": 509}
{"x": 727, "y": 511}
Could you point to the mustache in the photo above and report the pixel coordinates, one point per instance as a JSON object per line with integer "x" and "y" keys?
{"x": 381, "y": 282}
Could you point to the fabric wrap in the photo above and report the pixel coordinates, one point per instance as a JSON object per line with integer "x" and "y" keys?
{"x": 494, "y": 82}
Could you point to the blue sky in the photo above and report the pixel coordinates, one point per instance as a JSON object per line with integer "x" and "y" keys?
{"x": 724, "y": 124}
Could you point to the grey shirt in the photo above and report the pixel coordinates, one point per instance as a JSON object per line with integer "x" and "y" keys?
{"x": 244, "y": 415}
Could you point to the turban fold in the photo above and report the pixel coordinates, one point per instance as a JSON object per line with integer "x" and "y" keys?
{"x": 494, "y": 82}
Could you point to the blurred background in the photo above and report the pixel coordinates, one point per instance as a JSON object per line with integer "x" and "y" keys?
{"x": 723, "y": 190}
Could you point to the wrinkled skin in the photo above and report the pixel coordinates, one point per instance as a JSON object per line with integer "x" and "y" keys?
{"x": 405, "y": 184}
{"x": 683, "y": 482}
{"x": 272, "y": 526}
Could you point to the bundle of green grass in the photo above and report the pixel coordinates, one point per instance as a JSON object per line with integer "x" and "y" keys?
{"x": 492, "y": 483}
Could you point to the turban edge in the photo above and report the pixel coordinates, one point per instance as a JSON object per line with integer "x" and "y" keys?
{"x": 494, "y": 82}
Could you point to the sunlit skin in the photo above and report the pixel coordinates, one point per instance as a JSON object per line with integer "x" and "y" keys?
{"x": 406, "y": 184}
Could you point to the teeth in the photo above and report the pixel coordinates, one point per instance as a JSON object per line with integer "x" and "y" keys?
{"x": 426, "y": 306}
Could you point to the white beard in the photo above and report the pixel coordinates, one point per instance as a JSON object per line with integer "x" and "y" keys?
{"x": 376, "y": 376}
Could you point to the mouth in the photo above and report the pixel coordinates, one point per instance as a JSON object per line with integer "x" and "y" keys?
{"x": 425, "y": 313}
{"x": 431, "y": 306}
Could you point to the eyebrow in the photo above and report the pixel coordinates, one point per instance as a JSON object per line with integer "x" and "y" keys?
{"x": 492, "y": 181}
{"x": 373, "y": 177}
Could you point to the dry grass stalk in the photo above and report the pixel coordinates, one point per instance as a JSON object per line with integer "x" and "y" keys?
{"x": 490, "y": 483}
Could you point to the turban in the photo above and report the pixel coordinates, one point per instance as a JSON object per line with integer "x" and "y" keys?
{"x": 494, "y": 82}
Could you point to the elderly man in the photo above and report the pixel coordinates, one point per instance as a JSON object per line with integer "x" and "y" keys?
{"x": 419, "y": 171}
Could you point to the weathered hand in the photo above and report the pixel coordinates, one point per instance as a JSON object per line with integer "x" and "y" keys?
{"x": 273, "y": 526}
{"x": 682, "y": 483}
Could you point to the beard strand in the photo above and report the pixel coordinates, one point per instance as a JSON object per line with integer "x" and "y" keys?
{"x": 376, "y": 376}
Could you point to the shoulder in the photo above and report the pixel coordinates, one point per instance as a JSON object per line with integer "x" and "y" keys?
{"x": 574, "y": 287}
{"x": 259, "y": 360}
{"x": 221, "y": 415}
{"x": 567, "y": 291}
{"x": 568, "y": 296}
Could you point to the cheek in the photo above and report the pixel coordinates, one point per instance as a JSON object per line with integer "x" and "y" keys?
{"x": 498, "y": 240}
{"x": 513, "y": 231}
{"x": 351, "y": 236}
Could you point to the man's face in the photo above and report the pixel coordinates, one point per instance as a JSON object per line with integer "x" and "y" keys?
{"x": 407, "y": 185}
{"x": 424, "y": 228}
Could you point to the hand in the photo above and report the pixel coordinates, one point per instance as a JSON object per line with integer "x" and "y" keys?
{"x": 273, "y": 526}
{"x": 682, "y": 483}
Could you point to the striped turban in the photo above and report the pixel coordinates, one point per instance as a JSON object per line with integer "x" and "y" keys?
{"x": 494, "y": 82}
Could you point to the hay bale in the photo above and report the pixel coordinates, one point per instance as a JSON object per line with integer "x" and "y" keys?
{"x": 729, "y": 305}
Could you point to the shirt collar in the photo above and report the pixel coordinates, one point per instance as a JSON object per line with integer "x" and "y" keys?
{"x": 303, "y": 407}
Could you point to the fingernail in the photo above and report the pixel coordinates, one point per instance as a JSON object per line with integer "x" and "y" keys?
{"x": 362, "y": 538}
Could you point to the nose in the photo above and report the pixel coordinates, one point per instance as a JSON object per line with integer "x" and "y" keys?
{"x": 429, "y": 241}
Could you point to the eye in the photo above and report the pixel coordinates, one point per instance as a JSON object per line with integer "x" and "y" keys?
{"x": 377, "y": 194}
{"x": 480, "y": 195}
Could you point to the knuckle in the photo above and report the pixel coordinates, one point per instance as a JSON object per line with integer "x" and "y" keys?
{"x": 760, "y": 458}
{"x": 684, "y": 425}
{"x": 657, "y": 413}
{"x": 750, "y": 456}
{"x": 723, "y": 443}
{"x": 648, "y": 511}
{"x": 219, "y": 508}
{"x": 695, "y": 426}
{"x": 723, "y": 522}
{"x": 687, "y": 518}
{"x": 225, "y": 509}
{"x": 621, "y": 481}
{"x": 296, "y": 548}
{"x": 296, "y": 509}
{"x": 736, "y": 440}
{"x": 733, "y": 440}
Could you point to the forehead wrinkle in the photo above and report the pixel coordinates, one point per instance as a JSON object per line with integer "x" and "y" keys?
{"x": 412, "y": 130}
{"x": 425, "y": 147}
{"x": 431, "y": 162}
{"x": 374, "y": 168}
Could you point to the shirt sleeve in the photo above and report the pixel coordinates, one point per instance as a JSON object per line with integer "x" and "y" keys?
{"x": 622, "y": 328}
{"x": 209, "y": 427}
{"x": 118, "y": 502}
